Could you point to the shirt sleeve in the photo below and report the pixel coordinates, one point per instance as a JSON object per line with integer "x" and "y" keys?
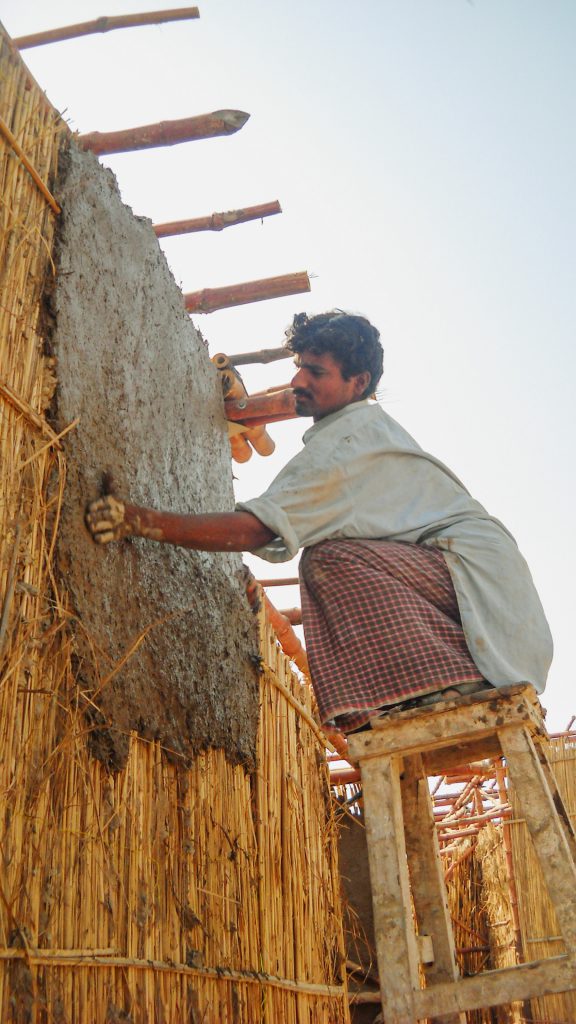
{"x": 302, "y": 505}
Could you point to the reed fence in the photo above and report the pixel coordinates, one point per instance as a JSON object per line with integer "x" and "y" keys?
{"x": 155, "y": 895}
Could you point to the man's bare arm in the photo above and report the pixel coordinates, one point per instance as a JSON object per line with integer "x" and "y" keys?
{"x": 109, "y": 519}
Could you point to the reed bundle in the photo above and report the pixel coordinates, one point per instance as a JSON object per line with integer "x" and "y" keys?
{"x": 157, "y": 894}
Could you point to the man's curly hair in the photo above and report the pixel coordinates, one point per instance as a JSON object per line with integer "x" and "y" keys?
{"x": 350, "y": 339}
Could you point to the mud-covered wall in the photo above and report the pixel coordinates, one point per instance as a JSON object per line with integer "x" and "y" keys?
{"x": 132, "y": 366}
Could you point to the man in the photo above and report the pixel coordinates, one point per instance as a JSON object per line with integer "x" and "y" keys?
{"x": 410, "y": 590}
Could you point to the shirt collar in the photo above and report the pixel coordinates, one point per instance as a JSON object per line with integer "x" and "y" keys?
{"x": 332, "y": 417}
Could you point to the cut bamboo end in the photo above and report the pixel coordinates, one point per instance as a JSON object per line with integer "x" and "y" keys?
{"x": 264, "y": 408}
{"x": 105, "y": 24}
{"x": 289, "y": 582}
{"x": 265, "y": 355}
{"x": 217, "y": 221}
{"x": 210, "y": 299}
{"x": 255, "y": 435}
{"x": 294, "y": 615}
{"x": 165, "y": 133}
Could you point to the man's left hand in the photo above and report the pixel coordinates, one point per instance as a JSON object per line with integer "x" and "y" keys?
{"x": 106, "y": 520}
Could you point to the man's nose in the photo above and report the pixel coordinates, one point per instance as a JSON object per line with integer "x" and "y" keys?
{"x": 297, "y": 378}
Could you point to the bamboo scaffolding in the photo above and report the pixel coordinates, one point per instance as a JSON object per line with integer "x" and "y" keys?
{"x": 210, "y": 299}
{"x": 105, "y": 24}
{"x": 217, "y": 221}
{"x": 164, "y": 133}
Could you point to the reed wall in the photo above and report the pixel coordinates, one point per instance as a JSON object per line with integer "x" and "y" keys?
{"x": 156, "y": 894}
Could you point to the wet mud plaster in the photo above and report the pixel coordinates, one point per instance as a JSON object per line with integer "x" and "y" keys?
{"x": 132, "y": 366}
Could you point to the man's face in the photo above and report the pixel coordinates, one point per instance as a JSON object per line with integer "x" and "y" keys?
{"x": 320, "y": 388}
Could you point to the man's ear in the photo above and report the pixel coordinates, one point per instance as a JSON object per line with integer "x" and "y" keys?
{"x": 361, "y": 382}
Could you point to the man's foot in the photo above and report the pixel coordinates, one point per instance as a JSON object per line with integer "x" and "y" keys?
{"x": 437, "y": 696}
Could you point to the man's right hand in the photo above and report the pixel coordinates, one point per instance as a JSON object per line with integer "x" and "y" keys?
{"x": 106, "y": 520}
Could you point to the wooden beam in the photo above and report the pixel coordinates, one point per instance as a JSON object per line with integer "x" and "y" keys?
{"x": 210, "y": 299}
{"x": 105, "y": 24}
{"x": 217, "y": 222}
{"x": 165, "y": 133}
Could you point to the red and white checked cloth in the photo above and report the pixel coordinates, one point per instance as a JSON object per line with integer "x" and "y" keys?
{"x": 382, "y": 625}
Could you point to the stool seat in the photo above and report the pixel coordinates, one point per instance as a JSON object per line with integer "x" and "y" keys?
{"x": 412, "y": 925}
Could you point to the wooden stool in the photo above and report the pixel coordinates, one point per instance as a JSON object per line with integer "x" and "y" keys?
{"x": 396, "y": 756}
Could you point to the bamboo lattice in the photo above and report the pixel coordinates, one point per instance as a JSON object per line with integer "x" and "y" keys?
{"x": 156, "y": 894}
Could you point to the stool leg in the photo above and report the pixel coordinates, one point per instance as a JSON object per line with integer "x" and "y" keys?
{"x": 396, "y": 946}
{"x": 550, "y": 842}
{"x": 427, "y": 878}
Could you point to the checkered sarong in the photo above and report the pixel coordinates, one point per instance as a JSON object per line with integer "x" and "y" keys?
{"x": 382, "y": 625}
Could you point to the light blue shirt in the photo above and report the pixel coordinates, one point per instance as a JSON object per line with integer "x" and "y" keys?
{"x": 360, "y": 474}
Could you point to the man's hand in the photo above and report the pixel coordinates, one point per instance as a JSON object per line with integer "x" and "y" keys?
{"x": 106, "y": 520}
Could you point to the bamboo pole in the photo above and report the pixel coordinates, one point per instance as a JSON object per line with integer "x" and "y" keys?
{"x": 294, "y": 615}
{"x": 13, "y": 141}
{"x": 262, "y": 408}
{"x": 289, "y": 582}
{"x": 105, "y": 24}
{"x": 265, "y": 355}
{"x": 218, "y": 221}
{"x": 165, "y": 133}
{"x": 287, "y": 638}
{"x": 210, "y": 299}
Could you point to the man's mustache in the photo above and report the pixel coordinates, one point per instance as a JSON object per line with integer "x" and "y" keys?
{"x": 301, "y": 393}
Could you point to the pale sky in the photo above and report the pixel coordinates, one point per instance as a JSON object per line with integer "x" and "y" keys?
{"x": 424, "y": 155}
